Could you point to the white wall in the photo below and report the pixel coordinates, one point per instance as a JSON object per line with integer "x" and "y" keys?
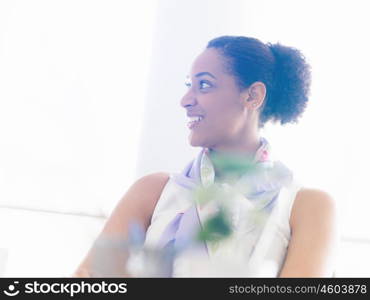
{"x": 73, "y": 79}
{"x": 72, "y": 84}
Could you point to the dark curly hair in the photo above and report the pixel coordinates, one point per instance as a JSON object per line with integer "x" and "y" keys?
{"x": 283, "y": 70}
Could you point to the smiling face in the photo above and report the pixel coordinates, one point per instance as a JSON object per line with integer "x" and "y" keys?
{"x": 214, "y": 94}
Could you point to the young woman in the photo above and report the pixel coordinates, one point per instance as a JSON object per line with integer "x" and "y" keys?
{"x": 236, "y": 85}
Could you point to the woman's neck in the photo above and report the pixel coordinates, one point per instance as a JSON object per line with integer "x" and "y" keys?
{"x": 233, "y": 161}
{"x": 248, "y": 147}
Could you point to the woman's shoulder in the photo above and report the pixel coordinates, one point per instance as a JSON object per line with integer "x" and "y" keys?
{"x": 151, "y": 184}
{"x": 144, "y": 193}
{"x": 140, "y": 200}
{"x": 311, "y": 206}
{"x": 153, "y": 180}
{"x": 313, "y": 246}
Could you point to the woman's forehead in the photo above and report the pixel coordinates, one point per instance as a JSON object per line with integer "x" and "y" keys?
{"x": 208, "y": 61}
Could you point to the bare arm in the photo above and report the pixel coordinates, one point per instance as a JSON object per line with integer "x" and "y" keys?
{"x": 136, "y": 205}
{"x": 313, "y": 245}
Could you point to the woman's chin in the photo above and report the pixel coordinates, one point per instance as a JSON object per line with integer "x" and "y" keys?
{"x": 195, "y": 142}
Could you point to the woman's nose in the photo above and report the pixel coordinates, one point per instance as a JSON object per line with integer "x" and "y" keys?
{"x": 188, "y": 99}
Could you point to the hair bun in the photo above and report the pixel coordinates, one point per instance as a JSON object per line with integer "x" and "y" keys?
{"x": 292, "y": 81}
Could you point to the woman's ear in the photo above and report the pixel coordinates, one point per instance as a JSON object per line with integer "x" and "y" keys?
{"x": 255, "y": 95}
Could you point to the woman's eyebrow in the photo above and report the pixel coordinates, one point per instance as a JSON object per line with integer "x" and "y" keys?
{"x": 205, "y": 73}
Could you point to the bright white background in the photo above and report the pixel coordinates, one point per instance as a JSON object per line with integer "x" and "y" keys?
{"x": 89, "y": 101}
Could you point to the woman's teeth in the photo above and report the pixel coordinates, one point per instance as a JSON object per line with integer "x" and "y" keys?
{"x": 194, "y": 121}
{"x": 198, "y": 118}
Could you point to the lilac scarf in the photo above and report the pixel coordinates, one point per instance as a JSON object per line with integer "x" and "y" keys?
{"x": 265, "y": 185}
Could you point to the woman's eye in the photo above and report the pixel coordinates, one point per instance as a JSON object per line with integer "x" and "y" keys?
{"x": 204, "y": 84}
{"x": 188, "y": 84}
